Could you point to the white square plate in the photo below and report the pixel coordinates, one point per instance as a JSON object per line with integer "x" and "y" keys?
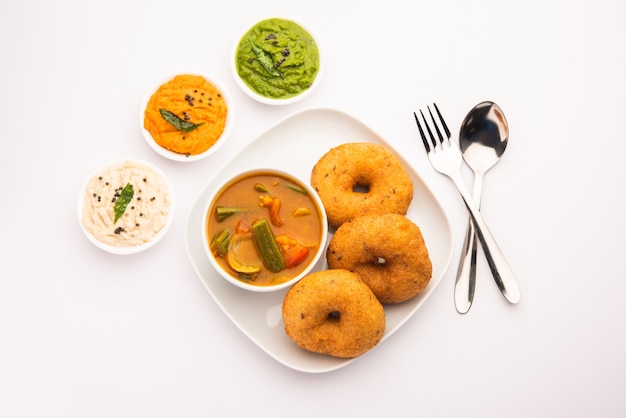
{"x": 294, "y": 145}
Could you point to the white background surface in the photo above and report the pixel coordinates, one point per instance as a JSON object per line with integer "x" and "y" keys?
{"x": 88, "y": 334}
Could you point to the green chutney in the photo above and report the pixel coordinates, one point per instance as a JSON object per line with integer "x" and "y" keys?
{"x": 277, "y": 59}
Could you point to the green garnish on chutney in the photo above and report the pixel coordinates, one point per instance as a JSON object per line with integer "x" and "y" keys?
{"x": 178, "y": 123}
{"x": 277, "y": 59}
{"x": 265, "y": 60}
{"x": 126, "y": 195}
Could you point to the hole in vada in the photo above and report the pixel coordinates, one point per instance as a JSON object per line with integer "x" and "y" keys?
{"x": 381, "y": 261}
{"x": 361, "y": 188}
{"x": 334, "y": 316}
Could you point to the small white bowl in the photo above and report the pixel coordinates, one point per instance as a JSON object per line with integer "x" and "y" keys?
{"x": 269, "y": 100}
{"x": 139, "y": 247}
{"x": 230, "y": 115}
{"x": 319, "y": 251}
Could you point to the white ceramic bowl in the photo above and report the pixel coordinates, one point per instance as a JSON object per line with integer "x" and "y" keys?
{"x": 319, "y": 250}
{"x": 230, "y": 115}
{"x": 139, "y": 247}
{"x": 269, "y": 100}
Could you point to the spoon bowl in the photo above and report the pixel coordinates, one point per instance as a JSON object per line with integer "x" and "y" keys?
{"x": 484, "y": 136}
{"x": 483, "y": 139}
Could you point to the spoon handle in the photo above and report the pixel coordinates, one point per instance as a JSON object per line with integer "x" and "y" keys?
{"x": 502, "y": 273}
{"x": 466, "y": 274}
{"x": 465, "y": 283}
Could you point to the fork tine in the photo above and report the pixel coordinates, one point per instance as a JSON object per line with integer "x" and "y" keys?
{"x": 436, "y": 126}
{"x": 443, "y": 122}
{"x": 430, "y": 133}
{"x": 419, "y": 126}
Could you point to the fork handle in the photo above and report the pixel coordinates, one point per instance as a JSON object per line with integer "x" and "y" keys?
{"x": 502, "y": 273}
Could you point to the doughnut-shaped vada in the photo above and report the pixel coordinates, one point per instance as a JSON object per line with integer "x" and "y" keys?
{"x": 360, "y": 178}
{"x": 333, "y": 312}
{"x": 386, "y": 251}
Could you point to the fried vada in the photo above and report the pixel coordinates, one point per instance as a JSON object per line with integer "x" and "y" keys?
{"x": 360, "y": 178}
{"x": 386, "y": 251}
{"x": 333, "y": 312}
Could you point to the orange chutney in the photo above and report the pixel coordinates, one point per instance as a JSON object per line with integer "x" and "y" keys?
{"x": 275, "y": 200}
{"x": 193, "y": 102}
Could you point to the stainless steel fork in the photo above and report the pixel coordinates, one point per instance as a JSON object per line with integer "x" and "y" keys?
{"x": 446, "y": 158}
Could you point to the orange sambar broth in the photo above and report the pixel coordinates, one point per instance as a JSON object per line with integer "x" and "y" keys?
{"x": 242, "y": 192}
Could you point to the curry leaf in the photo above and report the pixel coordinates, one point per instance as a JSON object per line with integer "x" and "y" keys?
{"x": 296, "y": 188}
{"x": 123, "y": 200}
{"x": 265, "y": 60}
{"x": 178, "y": 123}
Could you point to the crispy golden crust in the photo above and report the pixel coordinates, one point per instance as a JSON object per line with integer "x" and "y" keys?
{"x": 356, "y": 179}
{"x": 386, "y": 251}
{"x": 333, "y": 312}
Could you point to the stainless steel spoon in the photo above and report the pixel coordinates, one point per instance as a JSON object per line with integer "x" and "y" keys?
{"x": 483, "y": 139}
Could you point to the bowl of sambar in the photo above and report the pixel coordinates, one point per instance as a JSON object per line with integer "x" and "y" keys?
{"x": 264, "y": 229}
